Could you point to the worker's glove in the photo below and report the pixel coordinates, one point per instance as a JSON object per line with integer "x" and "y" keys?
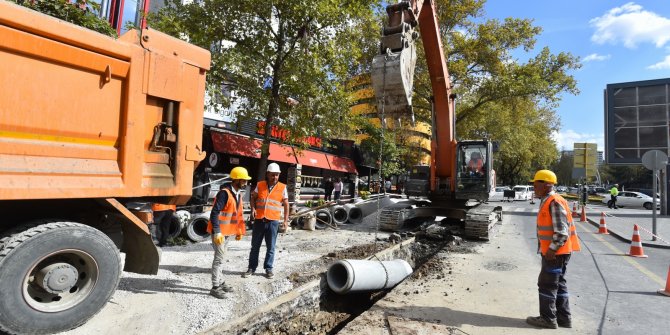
{"x": 238, "y": 237}
{"x": 218, "y": 239}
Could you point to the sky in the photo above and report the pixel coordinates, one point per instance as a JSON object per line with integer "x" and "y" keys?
{"x": 616, "y": 41}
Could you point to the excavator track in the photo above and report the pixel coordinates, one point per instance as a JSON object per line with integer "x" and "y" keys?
{"x": 481, "y": 221}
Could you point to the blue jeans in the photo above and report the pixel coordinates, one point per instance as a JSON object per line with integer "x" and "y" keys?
{"x": 263, "y": 230}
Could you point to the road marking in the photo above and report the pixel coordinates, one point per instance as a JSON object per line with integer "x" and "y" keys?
{"x": 630, "y": 260}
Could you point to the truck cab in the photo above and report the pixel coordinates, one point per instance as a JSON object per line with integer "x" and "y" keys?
{"x": 474, "y": 177}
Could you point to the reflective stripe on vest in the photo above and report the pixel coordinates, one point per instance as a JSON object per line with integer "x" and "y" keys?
{"x": 269, "y": 203}
{"x": 231, "y": 218}
{"x": 156, "y": 207}
{"x": 545, "y": 227}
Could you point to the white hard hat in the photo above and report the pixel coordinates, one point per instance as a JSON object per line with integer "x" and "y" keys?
{"x": 273, "y": 167}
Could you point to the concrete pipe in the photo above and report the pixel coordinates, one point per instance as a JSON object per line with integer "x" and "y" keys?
{"x": 339, "y": 214}
{"x": 196, "y": 229}
{"x": 323, "y": 218}
{"x": 353, "y": 275}
{"x": 354, "y": 214}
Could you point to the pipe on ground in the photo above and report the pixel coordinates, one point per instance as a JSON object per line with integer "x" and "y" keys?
{"x": 340, "y": 214}
{"x": 354, "y": 275}
{"x": 354, "y": 214}
{"x": 371, "y": 206}
{"x": 196, "y": 229}
{"x": 323, "y": 218}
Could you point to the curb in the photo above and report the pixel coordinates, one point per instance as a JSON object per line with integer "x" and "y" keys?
{"x": 621, "y": 238}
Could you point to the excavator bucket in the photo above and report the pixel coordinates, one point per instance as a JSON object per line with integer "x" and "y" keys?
{"x": 393, "y": 68}
{"x": 392, "y": 81}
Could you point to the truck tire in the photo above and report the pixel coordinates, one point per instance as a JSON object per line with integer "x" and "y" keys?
{"x": 196, "y": 229}
{"x": 55, "y": 276}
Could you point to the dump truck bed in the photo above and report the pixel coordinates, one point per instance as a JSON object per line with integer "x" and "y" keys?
{"x": 78, "y": 110}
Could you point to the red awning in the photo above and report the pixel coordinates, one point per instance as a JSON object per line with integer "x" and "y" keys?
{"x": 250, "y": 147}
{"x": 341, "y": 164}
{"x": 313, "y": 158}
{"x": 281, "y": 153}
{"x": 236, "y": 145}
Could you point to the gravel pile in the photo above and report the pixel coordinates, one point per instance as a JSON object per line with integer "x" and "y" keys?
{"x": 177, "y": 300}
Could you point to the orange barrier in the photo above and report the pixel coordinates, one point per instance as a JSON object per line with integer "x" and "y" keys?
{"x": 636, "y": 244}
{"x": 574, "y": 210}
{"x": 602, "y": 229}
{"x": 583, "y": 218}
{"x": 666, "y": 292}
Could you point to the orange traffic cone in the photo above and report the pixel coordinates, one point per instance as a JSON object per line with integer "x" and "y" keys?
{"x": 636, "y": 244}
{"x": 583, "y": 218}
{"x": 666, "y": 292}
{"x": 602, "y": 229}
{"x": 574, "y": 210}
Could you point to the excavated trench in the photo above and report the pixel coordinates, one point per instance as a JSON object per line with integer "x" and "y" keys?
{"x": 313, "y": 308}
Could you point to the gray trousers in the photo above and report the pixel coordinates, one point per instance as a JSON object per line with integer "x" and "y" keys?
{"x": 217, "y": 263}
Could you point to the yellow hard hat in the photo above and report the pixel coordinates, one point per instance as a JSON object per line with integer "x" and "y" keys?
{"x": 239, "y": 173}
{"x": 545, "y": 176}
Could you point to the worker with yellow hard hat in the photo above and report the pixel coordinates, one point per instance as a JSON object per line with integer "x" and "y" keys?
{"x": 557, "y": 239}
{"x": 226, "y": 219}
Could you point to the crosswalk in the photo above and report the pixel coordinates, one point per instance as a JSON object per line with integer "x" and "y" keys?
{"x": 511, "y": 210}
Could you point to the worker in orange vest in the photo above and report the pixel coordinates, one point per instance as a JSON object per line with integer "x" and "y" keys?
{"x": 162, "y": 214}
{"x": 226, "y": 219}
{"x": 476, "y": 164}
{"x": 268, "y": 201}
{"x": 557, "y": 239}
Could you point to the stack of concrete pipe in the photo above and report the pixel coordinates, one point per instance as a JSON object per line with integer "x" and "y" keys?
{"x": 367, "y": 207}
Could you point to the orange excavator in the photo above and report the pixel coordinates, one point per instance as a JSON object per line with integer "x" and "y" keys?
{"x": 457, "y": 184}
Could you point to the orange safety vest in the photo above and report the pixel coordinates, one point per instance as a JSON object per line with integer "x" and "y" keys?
{"x": 475, "y": 165}
{"x": 269, "y": 204}
{"x": 231, "y": 219}
{"x": 156, "y": 207}
{"x": 545, "y": 228}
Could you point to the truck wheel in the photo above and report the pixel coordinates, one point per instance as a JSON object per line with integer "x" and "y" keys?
{"x": 55, "y": 276}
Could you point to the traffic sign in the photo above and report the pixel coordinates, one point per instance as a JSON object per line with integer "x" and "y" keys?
{"x": 655, "y": 160}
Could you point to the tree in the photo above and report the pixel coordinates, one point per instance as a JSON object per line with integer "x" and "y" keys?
{"x": 563, "y": 169}
{"x": 381, "y": 146}
{"x": 287, "y": 61}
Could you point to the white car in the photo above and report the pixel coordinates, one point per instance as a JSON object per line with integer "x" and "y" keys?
{"x": 498, "y": 193}
{"x": 632, "y": 199}
{"x": 523, "y": 192}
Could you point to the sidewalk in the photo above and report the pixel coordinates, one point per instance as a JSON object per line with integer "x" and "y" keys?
{"x": 620, "y": 224}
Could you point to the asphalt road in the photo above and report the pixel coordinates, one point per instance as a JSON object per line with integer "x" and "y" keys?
{"x": 610, "y": 291}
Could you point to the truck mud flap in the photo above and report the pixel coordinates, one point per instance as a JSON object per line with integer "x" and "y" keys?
{"x": 142, "y": 255}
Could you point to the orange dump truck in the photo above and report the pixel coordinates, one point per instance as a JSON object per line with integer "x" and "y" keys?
{"x": 88, "y": 125}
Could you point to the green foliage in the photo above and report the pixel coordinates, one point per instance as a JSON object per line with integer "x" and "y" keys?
{"x": 320, "y": 202}
{"x": 364, "y": 194}
{"x": 382, "y": 148}
{"x": 267, "y": 51}
{"x": 79, "y": 12}
{"x": 309, "y": 203}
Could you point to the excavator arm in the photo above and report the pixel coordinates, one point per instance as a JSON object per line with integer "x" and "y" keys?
{"x": 392, "y": 77}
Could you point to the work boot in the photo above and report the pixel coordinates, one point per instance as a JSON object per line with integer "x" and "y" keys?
{"x": 541, "y": 322}
{"x": 217, "y": 292}
{"x": 248, "y": 273}
{"x": 269, "y": 274}
{"x": 564, "y": 323}
{"x": 225, "y": 287}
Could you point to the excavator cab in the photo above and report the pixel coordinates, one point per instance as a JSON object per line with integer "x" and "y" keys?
{"x": 473, "y": 170}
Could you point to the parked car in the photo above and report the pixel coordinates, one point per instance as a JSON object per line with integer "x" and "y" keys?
{"x": 523, "y": 192}
{"x": 561, "y": 189}
{"x": 593, "y": 190}
{"x": 632, "y": 199}
{"x": 498, "y": 193}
